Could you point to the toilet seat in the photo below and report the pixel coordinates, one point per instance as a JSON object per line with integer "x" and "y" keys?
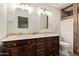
{"x": 64, "y": 44}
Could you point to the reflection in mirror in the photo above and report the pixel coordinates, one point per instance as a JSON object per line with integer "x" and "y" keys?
{"x": 44, "y": 21}
{"x": 22, "y": 22}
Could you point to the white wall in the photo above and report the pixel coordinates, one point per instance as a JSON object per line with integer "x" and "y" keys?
{"x": 3, "y": 20}
{"x": 34, "y": 20}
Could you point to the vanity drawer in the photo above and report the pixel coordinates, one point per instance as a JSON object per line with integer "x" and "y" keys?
{"x": 49, "y": 39}
{"x": 30, "y": 42}
{"x": 13, "y": 44}
{"x": 56, "y": 37}
{"x": 40, "y": 40}
{"x": 14, "y": 51}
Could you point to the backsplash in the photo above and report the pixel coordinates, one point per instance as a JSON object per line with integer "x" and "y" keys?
{"x": 29, "y": 33}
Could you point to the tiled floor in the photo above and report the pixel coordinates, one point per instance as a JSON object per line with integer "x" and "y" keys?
{"x": 70, "y": 54}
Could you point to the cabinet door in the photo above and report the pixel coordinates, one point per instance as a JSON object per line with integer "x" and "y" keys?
{"x": 49, "y": 47}
{"x": 52, "y": 44}
{"x": 41, "y": 43}
{"x": 55, "y": 48}
{"x": 41, "y": 52}
{"x": 41, "y": 47}
{"x": 55, "y": 51}
{"x": 15, "y": 51}
{"x": 29, "y": 48}
{"x": 28, "y": 51}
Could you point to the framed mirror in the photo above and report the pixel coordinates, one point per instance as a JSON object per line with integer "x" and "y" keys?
{"x": 44, "y": 21}
{"x": 22, "y": 22}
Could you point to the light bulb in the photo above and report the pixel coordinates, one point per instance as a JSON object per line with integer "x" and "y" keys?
{"x": 42, "y": 11}
{"x": 26, "y": 6}
{"x": 38, "y": 11}
{"x": 48, "y": 12}
{"x": 30, "y": 9}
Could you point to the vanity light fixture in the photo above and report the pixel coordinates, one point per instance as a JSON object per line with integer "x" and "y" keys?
{"x": 47, "y": 12}
{"x": 44, "y": 11}
{"x": 24, "y": 7}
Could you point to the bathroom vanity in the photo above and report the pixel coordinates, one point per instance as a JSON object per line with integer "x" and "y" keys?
{"x": 33, "y": 45}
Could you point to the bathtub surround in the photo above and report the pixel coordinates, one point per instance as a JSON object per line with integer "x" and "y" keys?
{"x": 66, "y": 33}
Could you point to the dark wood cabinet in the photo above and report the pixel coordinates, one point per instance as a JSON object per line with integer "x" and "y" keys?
{"x": 33, "y": 47}
{"x": 41, "y": 47}
{"x": 28, "y": 51}
{"x": 49, "y": 47}
{"x": 14, "y": 51}
{"x": 52, "y": 46}
{"x": 41, "y": 52}
{"x": 29, "y": 47}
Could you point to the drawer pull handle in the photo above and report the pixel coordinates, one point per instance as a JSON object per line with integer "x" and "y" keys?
{"x": 41, "y": 52}
{"x": 29, "y": 42}
{"x": 14, "y": 44}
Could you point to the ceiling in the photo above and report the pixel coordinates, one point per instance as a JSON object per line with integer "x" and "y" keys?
{"x": 55, "y": 5}
{"x": 58, "y": 5}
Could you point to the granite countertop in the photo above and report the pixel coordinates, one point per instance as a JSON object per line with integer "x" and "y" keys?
{"x": 21, "y": 37}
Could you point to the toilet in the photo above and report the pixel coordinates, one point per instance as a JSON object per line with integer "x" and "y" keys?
{"x": 64, "y": 48}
